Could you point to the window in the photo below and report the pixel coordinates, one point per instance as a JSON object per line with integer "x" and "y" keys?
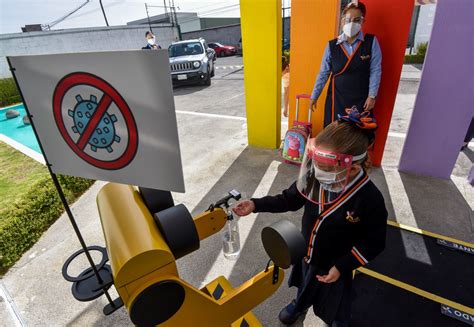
{"x": 185, "y": 49}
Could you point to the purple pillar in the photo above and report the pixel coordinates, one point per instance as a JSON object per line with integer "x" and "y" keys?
{"x": 444, "y": 104}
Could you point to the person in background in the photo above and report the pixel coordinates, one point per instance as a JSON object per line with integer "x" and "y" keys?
{"x": 285, "y": 84}
{"x": 151, "y": 42}
{"x": 353, "y": 63}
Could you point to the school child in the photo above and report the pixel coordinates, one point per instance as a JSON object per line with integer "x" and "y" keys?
{"x": 344, "y": 219}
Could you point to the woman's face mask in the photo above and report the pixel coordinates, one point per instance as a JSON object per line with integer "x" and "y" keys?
{"x": 151, "y": 41}
{"x": 351, "y": 29}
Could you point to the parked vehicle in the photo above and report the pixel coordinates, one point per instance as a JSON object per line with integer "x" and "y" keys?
{"x": 191, "y": 61}
{"x": 222, "y": 50}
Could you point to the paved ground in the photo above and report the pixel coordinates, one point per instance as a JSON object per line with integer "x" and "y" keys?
{"x": 216, "y": 158}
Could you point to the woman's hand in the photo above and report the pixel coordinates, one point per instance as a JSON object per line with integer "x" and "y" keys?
{"x": 332, "y": 276}
{"x": 244, "y": 208}
{"x": 312, "y": 104}
{"x": 369, "y": 104}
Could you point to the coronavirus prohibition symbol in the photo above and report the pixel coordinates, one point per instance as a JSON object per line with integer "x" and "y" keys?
{"x": 92, "y": 121}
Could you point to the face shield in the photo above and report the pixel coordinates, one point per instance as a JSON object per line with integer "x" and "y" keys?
{"x": 327, "y": 170}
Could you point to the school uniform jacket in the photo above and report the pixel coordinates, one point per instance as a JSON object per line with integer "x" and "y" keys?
{"x": 347, "y": 234}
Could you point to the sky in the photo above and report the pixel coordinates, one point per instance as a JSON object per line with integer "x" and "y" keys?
{"x": 16, "y": 13}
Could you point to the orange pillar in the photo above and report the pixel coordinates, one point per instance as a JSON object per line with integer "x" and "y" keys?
{"x": 390, "y": 21}
{"x": 313, "y": 24}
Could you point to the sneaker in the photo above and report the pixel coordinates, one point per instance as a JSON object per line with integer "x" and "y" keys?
{"x": 288, "y": 314}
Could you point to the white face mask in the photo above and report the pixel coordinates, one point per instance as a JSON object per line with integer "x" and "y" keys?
{"x": 151, "y": 41}
{"x": 351, "y": 29}
{"x": 327, "y": 178}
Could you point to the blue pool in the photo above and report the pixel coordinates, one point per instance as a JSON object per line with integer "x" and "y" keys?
{"x": 16, "y": 130}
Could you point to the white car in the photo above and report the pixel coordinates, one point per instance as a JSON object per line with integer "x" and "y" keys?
{"x": 191, "y": 61}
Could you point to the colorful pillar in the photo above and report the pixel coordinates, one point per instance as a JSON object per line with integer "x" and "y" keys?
{"x": 444, "y": 103}
{"x": 261, "y": 42}
{"x": 390, "y": 21}
{"x": 313, "y": 24}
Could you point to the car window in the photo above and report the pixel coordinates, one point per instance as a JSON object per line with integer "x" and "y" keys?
{"x": 185, "y": 49}
{"x": 212, "y": 45}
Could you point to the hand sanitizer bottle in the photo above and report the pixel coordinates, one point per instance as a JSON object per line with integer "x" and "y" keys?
{"x": 231, "y": 237}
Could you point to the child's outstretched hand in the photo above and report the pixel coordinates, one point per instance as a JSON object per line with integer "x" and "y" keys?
{"x": 244, "y": 208}
{"x": 332, "y": 276}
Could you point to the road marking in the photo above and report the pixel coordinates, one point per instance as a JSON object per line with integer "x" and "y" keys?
{"x": 417, "y": 230}
{"x": 210, "y": 115}
{"x": 391, "y": 134}
{"x": 230, "y": 67}
{"x": 223, "y": 266}
{"x": 233, "y": 97}
{"x": 416, "y": 290}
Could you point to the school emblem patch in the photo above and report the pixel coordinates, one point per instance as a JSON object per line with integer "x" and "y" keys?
{"x": 365, "y": 57}
{"x": 350, "y": 217}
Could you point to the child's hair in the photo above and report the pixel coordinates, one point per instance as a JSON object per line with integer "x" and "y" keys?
{"x": 355, "y": 5}
{"x": 284, "y": 63}
{"x": 148, "y": 33}
{"x": 347, "y": 138}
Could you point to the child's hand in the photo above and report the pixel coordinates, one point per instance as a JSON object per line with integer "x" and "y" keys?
{"x": 332, "y": 276}
{"x": 244, "y": 208}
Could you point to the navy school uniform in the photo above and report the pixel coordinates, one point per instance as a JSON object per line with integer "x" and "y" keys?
{"x": 350, "y": 85}
{"x": 347, "y": 234}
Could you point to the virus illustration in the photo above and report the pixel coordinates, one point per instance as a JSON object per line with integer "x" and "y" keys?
{"x": 104, "y": 134}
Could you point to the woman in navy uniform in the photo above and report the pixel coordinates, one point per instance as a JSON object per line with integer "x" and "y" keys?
{"x": 353, "y": 64}
{"x": 344, "y": 219}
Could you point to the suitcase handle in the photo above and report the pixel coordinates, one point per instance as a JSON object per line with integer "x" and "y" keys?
{"x": 298, "y": 97}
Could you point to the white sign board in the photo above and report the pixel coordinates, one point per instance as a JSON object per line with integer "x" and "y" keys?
{"x": 105, "y": 115}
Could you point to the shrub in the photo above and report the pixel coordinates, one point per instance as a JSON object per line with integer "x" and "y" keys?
{"x": 27, "y": 219}
{"x": 419, "y": 56}
{"x": 8, "y": 92}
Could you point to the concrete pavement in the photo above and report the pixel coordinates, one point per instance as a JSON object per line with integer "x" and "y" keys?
{"x": 216, "y": 158}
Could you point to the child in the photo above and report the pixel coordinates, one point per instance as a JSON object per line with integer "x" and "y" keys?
{"x": 344, "y": 219}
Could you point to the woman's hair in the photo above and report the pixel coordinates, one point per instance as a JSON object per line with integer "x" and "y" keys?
{"x": 355, "y": 5}
{"x": 284, "y": 63}
{"x": 148, "y": 33}
{"x": 347, "y": 138}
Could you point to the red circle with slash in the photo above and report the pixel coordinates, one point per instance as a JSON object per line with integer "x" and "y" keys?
{"x": 110, "y": 95}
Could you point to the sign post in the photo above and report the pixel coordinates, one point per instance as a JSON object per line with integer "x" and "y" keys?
{"x": 104, "y": 116}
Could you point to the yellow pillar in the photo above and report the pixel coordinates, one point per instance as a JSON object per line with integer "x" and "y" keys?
{"x": 261, "y": 42}
{"x": 313, "y": 24}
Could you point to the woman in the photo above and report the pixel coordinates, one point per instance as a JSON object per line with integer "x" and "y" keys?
{"x": 344, "y": 220}
{"x": 151, "y": 41}
{"x": 353, "y": 63}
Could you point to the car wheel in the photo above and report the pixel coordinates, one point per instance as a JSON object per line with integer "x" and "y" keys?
{"x": 222, "y": 54}
{"x": 207, "y": 79}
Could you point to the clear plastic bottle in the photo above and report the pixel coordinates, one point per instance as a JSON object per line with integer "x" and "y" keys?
{"x": 231, "y": 237}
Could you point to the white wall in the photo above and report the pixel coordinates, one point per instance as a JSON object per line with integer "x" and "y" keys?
{"x": 79, "y": 40}
{"x": 425, "y": 23}
{"x": 227, "y": 35}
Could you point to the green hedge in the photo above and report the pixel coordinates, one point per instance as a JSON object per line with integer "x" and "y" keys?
{"x": 419, "y": 57}
{"x": 8, "y": 92}
{"x": 27, "y": 219}
{"x": 414, "y": 59}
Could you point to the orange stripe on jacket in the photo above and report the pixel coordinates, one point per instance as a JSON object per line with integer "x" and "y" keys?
{"x": 362, "y": 262}
{"x": 330, "y": 208}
